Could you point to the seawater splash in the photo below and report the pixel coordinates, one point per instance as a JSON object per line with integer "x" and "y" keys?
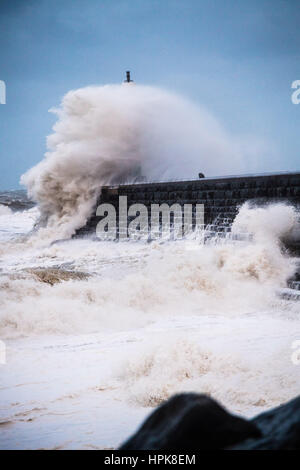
{"x": 273, "y": 222}
{"x": 103, "y": 133}
{"x": 145, "y": 321}
{"x": 4, "y": 210}
{"x": 134, "y": 284}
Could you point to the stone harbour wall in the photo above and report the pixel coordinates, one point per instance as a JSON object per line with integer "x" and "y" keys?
{"x": 221, "y": 196}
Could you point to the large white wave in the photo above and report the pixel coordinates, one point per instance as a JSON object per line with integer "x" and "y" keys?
{"x": 104, "y": 133}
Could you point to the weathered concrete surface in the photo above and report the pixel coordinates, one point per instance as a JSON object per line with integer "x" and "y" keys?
{"x": 197, "y": 422}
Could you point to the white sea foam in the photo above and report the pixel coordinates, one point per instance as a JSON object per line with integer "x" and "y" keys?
{"x": 218, "y": 357}
{"x": 4, "y": 210}
{"x": 151, "y": 320}
{"x": 134, "y": 284}
{"x": 273, "y": 222}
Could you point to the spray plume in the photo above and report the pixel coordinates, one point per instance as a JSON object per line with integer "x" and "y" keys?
{"x": 104, "y": 133}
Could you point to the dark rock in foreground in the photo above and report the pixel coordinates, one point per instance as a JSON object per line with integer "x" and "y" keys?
{"x": 280, "y": 428}
{"x": 196, "y": 422}
{"x": 190, "y": 421}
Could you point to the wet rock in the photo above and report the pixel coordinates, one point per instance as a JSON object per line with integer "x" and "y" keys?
{"x": 197, "y": 422}
{"x": 280, "y": 429}
{"x": 188, "y": 422}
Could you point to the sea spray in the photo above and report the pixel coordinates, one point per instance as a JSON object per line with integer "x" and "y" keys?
{"x": 104, "y": 133}
{"x": 275, "y": 222}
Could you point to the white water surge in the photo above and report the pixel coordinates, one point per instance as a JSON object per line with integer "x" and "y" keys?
{"x": 87, "y": 359}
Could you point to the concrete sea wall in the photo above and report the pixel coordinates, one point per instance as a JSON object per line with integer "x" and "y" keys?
{"x": 221, "y": 196}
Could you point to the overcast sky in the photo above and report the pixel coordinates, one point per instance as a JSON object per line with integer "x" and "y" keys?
{"x": 238, "y": 58}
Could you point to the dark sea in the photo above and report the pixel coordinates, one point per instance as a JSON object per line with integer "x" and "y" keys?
{"x": 16, "y": 200}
